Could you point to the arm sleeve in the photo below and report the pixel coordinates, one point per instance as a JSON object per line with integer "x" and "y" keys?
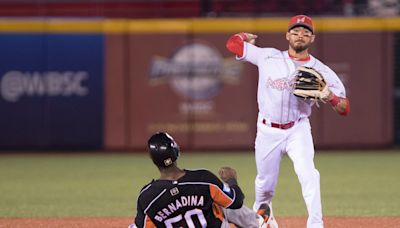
{"x": 239, "y": 194}
{"x": 333, "y": 82}
{"x": 341, "y": 105}
{"x": 242, "y": 49}
{"x": 142, "y": 220}
{"x": 235, "y": 44}
{"x": 140, "y": 216}
{"x": 340, "y": 102}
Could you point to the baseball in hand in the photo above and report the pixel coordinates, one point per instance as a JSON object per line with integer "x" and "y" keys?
{"x": 251, "y": 38}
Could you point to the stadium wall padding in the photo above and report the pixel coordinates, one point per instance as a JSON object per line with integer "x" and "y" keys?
{"x": 51, "y": 91}
{"x": 142, "y": 76}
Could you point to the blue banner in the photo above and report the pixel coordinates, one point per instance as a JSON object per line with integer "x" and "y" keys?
{"x": 51, "y": 91}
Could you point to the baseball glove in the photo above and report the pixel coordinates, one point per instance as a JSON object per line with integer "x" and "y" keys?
{"x": 310, "y": 84}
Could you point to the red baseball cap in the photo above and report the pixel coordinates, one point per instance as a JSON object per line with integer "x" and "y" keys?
{"x": 301, "y": 20}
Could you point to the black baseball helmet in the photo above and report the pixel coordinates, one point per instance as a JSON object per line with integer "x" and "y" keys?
{"x": 163, "y": 149}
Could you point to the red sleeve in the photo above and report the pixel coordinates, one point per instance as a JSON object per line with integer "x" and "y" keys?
{"x": 235, "y": 43}
{"x": 347, "y": 110}
{"x": 345, "y": 101}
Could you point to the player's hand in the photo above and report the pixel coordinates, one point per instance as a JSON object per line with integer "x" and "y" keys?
{"x": 327, "y": 94}
{"x": 226, "y": 173}
{"x": 250, "y": 38}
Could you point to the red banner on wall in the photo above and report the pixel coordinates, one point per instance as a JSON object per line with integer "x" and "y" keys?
{"x": 190, "y": 89}
{"x": 189, "y": 85}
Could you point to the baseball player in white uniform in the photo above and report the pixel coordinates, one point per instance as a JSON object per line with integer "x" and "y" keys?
{"x": 283, "y": 125}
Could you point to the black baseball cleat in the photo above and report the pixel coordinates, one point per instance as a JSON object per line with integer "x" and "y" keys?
{"x": 264, "y": 211}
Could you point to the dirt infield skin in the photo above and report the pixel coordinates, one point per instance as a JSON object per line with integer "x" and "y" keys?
{"x": 104, "y": 222}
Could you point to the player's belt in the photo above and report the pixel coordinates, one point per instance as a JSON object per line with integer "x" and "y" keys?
{"x": 280, "y": 126}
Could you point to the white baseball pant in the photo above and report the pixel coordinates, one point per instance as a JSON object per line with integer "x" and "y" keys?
{"x": 270, "y": 145}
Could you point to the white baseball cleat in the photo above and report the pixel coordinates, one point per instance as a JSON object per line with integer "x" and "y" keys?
{"x": 272, "y": 221}
{"x": 264, "y": 212}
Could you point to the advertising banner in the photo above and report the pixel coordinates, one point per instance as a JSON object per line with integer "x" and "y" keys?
{"x": 190, "y": 88}
{"x": 51, "y": 91}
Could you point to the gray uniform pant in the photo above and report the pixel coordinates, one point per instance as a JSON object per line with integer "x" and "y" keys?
{"x": 242, "y": 217}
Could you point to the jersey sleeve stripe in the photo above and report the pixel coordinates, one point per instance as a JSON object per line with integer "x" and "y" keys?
{"x": 147, "y": 187}
{"x": 220, "y": 197}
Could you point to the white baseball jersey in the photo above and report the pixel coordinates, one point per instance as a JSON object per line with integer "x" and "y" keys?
{"x": 278, "y": 105}
{"x": 277, "y": 71}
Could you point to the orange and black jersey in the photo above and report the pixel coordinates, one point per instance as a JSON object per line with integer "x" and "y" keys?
{"x": 194, "y": 200}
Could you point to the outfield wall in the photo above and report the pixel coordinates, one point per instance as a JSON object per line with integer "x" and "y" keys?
{"x": 111, "y": 83}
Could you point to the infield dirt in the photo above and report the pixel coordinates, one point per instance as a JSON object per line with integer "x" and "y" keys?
{"x": 111, "y": 222}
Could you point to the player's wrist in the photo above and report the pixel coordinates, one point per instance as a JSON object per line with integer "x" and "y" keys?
{"x": 334, "y": 100}
{"x": 232, "y": 181}
{"x": 242, "y": 36}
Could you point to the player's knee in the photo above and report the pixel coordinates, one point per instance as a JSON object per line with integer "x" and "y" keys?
{"x": 264, "y": 183}
{"x": 315, "y": 175}
{"x": 308, "y": 174}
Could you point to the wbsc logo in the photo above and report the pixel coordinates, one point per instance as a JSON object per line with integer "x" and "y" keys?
{"x": 16, "y": 84}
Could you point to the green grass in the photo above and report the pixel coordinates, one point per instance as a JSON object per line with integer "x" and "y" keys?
{"x": 60, "y": 185}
